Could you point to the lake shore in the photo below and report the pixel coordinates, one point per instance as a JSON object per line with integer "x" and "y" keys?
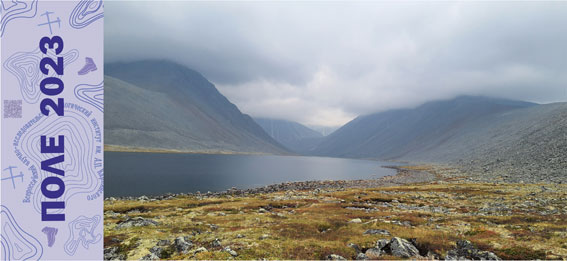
{"x": 432, "y": 209}
{"x": 120, "y": 148}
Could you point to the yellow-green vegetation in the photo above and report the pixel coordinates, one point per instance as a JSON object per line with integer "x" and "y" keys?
{"x": 514, "y": 221}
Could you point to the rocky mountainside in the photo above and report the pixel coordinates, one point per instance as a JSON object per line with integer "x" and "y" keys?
{"x": 292, "y": 135}
{"x": 162, "y": 105}
{"x": 519, "y": 140}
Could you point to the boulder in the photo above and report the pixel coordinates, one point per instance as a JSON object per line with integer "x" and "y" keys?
{"x": 373, "y": 253}
{"x": 181, "y": 245}
{"x": 381, "y": 243}
{"x": 401, "y": 248}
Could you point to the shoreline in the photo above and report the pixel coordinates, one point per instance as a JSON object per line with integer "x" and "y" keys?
{"x": 404, "y": 175}
{"x": 119, "y": 148}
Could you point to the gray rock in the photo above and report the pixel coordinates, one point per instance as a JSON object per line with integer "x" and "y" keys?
{"x": 373, "y": 253}
{"x": 230, "y": 251}
{"x": 401, "y": 248}
{"x": 335, "y": 257}
{"x": 377, "y": 232}
{"x": 216, "y": 243}
{"x": 150, "y": 256}
{"x": 381, "y": 243}
{"x": 466, "y": 250}
{"x": 361, "y": 256}
{"x": 111, "y": 253}
{"x": 164, "y": 242}
{"x": 136, "y": 222}
{"x": 158, "y": 251}
{"x": 200, "y": 249}
{"x": 181, "y": 245}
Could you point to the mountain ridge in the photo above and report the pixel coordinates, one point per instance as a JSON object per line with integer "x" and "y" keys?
{"x": 293, "y": 135}
{"x": 163, "y": 105}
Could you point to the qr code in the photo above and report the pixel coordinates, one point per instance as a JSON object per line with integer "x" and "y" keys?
{"x": 12, "y": 109}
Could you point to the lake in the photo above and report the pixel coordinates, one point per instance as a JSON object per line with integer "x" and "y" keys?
{"x": 136, "y": 174}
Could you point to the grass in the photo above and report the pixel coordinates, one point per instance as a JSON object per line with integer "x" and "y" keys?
{"x": 307, "y": 225}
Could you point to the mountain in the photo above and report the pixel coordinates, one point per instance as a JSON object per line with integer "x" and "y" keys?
{"x": 292, "y": 135}
{"x": 325, "y": 130}
{"x": 480, "y": 133}
{"x": 158, "y": 104}
{"x": 395, "y": 133}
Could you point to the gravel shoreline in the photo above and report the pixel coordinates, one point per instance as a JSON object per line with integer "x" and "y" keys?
{"x": 403, "y": 176}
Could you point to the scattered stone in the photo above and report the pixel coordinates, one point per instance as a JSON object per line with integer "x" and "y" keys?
{"x": 213, "y": 226}
{"x": 157, "y": 251}
{"x": 112, "y": 253}
{"x": 361, "y": 256}
{"x": 164, "y": 242}
{"x": 466, "y": 250}
{"x": 356, "y": 220}
{"x": 111, "y": 213}
{"x": 200, "y": 249}
{"x": 264, "y": 236}
{"x": 150, "y": 256}
{"x": 136, "y": 222}
{"x": 230, "y": 251}
{"x": 335, "y": 257}
{"x": 262, "y": 210}
{"x": 401, "y": 248}
{"x": 216, "y": 243}
{"x": 240, "y": 236}
{"x": 373, "y": 253}
{"x": 381, "y": 243}
{"x": 181, "y": 245}
{"x": 377, "y": 232}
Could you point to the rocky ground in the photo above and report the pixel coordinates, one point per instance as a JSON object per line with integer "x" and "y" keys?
{"x": 424, "y": 212}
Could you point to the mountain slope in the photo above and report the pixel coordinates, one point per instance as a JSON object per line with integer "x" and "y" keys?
{"x": 394, "y": 133}
{"x": 484, "y": 135}
{"x": 163, "y": 105}
{"x": 292, "y": 135}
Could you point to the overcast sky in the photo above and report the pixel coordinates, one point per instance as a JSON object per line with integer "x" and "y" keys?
{"x": 322, "y": 63}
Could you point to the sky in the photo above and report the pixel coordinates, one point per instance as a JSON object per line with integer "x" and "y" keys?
{"x": 325, "y": 63}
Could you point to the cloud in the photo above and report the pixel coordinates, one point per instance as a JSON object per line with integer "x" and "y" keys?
{"x": 324, "y": 63}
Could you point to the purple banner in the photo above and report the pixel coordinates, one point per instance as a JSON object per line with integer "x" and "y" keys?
{"x": 52, "y": 130}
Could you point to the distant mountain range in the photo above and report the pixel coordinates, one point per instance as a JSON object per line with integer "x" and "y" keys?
{"x": 160, "y": 105}
{"x": 292, "y": 135}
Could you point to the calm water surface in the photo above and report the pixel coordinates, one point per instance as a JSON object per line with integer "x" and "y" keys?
{"x": 135, "y": 174}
